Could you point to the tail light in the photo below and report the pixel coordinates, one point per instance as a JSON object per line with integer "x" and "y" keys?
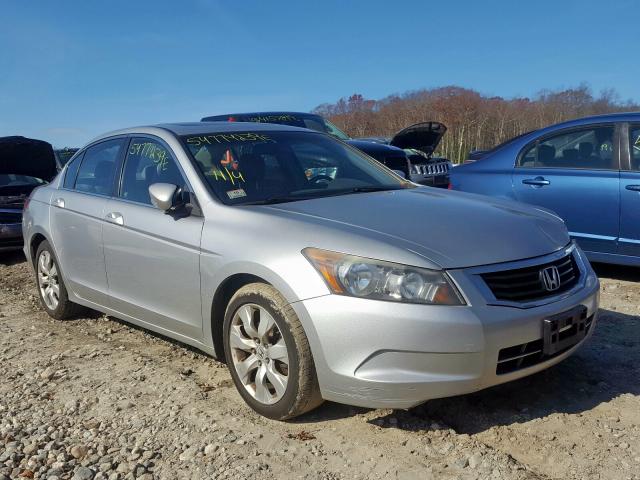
{"x": 450, "y": 186}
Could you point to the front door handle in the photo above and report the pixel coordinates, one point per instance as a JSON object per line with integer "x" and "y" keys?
{"x": 115, "y": 217}
{"x": 58, "y": 202}
{"x": 635, "y": 188}
{"x": 536, "y": 182}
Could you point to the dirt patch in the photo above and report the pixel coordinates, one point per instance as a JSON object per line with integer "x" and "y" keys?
{"x": 96, "y": 398}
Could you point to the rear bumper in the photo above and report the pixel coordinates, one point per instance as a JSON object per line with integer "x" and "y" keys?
{"x": 10, "y": 236}
{"x": 386, "y": 355}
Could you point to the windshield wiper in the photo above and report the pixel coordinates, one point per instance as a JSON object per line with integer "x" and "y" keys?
{"x": 323, "y": 194}
{"x": 277, "y": 199}
{"x": 378, "y": 188}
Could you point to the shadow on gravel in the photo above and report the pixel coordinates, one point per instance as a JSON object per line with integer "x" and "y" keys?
{"x": 12, "y": 258}
{"x": 606, "y": 367}
{"x": 328, "y": 411}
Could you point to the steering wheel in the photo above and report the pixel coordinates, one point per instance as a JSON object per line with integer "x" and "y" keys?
{"x": 318, "y": 178}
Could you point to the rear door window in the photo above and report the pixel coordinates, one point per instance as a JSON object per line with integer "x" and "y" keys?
{"x": 588, "y": 148}
{"x": 97, "y": 171}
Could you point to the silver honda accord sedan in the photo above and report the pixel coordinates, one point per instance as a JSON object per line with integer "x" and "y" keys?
{"x": 315, "y": 272}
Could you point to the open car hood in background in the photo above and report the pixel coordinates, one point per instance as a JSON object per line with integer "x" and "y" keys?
{"x": 423, "y": 136}
{"x": 26, "y": 156}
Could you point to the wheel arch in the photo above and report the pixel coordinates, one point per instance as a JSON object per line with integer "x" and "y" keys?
{"x": 34, "y": 242}
{"x": 220, "y": 282}
{"x": 227, "y": 288}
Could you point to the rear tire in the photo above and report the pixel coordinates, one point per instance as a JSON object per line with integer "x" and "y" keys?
{"x": 51, "y": 289}
{"x": 268, "y": 354}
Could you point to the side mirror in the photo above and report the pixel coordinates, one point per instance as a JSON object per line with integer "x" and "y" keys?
{"x": 162, "y": 195}
{"x": 400, "y": 173}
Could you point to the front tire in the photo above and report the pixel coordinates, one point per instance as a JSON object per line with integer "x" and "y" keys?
{"x": 51, "y": 288}
{"x": 268, "y": 354}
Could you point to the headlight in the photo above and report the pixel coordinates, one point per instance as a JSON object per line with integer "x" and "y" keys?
{"x": 380, "y": 280}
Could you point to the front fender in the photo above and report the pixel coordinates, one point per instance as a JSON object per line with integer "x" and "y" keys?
{"x": 292, "y": 276}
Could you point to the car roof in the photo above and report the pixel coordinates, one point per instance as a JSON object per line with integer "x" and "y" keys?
{"x": 607, "y": 117}
{"x": 265, "y": 114}
{"x": 576, "y": 122}
{"x": 201, "y": 128}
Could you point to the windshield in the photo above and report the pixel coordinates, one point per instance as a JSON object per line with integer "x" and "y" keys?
{"x": 335, "y": 131}
{"x": 14, "y": 188}
{"x": 312, "y": 122}
{"x": 11, "y": 180}
{"x": 274, "y": 167}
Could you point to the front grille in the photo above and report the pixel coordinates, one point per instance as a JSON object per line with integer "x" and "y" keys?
{"x": 525, "y": 284}
{"x": 10, "y": 217}
{"x": 432, "y": 168}
{"x": 528, "y": 354}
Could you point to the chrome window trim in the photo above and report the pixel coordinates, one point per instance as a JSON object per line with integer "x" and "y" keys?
{"x": 474, "y": 274}
{"x": 92, "y": 194}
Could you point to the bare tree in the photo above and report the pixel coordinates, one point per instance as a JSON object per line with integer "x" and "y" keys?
{"x": 474, "y": 121}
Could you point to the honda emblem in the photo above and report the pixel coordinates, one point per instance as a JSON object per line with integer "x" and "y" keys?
{"x": 550, "y": 278}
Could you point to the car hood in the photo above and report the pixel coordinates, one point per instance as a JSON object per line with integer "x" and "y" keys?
{"x": 423, "y": 136}
{"x": 26, "y": 156}
{"x": 374, "y": 147}
{"x": 450, "y": 229}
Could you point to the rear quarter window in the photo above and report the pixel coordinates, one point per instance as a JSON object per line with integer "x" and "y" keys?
{"x": 72, "y": 171}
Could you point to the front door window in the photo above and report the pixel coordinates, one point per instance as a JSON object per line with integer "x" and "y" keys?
{"x": 589, "y": 148}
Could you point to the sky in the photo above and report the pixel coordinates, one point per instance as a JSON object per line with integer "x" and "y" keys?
{"x": 72, "y": 70}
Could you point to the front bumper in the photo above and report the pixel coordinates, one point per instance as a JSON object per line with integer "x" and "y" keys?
{"x": 387, "y": 355}
{"x": 441, "y": 181}
{"x": 10, "y": 236}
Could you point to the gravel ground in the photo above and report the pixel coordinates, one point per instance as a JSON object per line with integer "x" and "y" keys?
{"x": 94, "y": 398}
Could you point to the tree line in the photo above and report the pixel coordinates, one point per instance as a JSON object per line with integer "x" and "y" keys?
{"x": 474, "y": 121}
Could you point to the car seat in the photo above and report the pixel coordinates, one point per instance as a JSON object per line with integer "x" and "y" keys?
{"x": 586, "y": 151}
{"x": 570, "y": 158}
{"x": 546, "y": 155}
{"x": 103, "y": 177}
{"x": 253, "y": 169}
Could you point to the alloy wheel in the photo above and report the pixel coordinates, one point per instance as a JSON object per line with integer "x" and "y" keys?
{"x": 48, "y": 280}
{"x": 259, "y": 353}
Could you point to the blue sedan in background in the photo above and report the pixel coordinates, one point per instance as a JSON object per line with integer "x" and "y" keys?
{"x": 586, "y": 170}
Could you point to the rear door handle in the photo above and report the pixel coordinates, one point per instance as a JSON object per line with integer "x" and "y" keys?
{"x": 536, "y": 182}
{"x": 115, "y": 217}
{"x": 59, "y": 202}
{"x": 635, "y": 188}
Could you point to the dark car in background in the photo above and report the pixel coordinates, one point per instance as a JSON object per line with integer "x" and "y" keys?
{"x": 586, "y": 170}
{"x": 25, "y": 164}
{"x": 63, "y": 155}
{"x": 410, "y": 151}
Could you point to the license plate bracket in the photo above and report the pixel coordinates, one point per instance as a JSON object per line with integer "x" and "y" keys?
{"x": 564, "y": 330}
